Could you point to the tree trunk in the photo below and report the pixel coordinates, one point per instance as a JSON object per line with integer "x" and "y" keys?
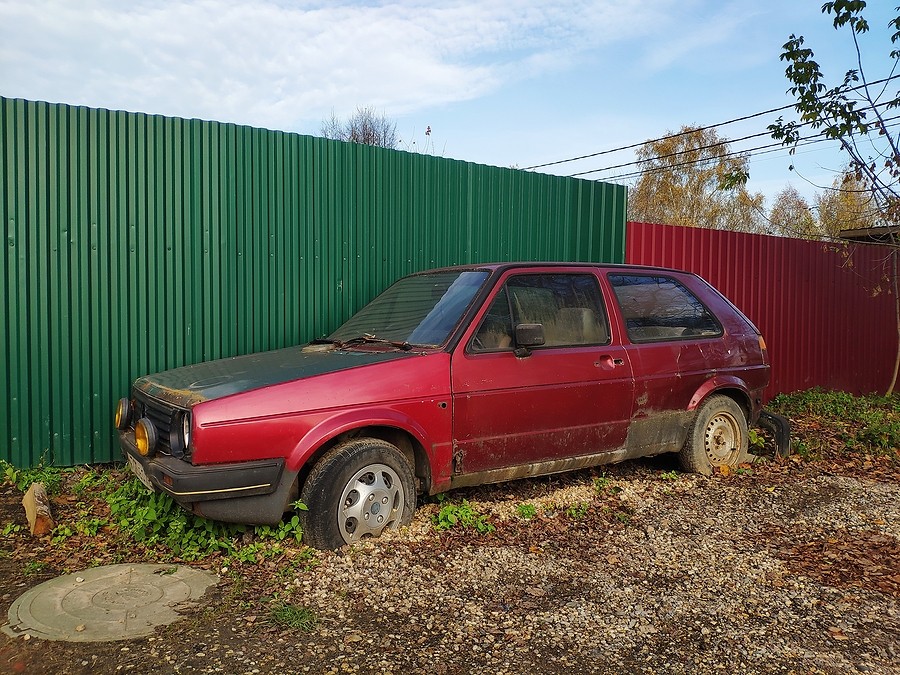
{"x": 894, "y": 252}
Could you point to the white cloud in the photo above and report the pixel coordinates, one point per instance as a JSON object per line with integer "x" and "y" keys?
{"x": 287, "y": 64}
{"x": 689, "y": 34}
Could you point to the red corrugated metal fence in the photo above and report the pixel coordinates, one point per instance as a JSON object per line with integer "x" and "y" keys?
{"x": 827, "y": 311}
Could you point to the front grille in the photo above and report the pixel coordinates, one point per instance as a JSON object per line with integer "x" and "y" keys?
{"x": 162, "y": 416}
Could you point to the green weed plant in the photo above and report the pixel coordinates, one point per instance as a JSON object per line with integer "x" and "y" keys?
{"x": 462, "y": 515}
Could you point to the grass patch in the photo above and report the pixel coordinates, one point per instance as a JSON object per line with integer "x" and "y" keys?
{"x": 577, "y": 511}
{"x": 49, "y": 476}
{"x": 33, "y": 567}
{"x": 601, "y": 483}
{"x": 293, "y": 616}
{"x": 526, "y": 511}
{"x": 111, "y": 507}
{"x": 829, "y": 422}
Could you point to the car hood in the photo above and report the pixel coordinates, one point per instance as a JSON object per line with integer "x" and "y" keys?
{"x": 188, "y": 385}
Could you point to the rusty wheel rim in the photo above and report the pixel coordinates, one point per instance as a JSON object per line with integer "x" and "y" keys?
{"x": 722, "y": 439}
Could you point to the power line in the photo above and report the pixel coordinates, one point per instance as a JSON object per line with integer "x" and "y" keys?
{"x": 655, "y": 140}
{"x": 707, "y": 147}
{"x": 753, "y": 152}
{"x": 677, "y": 152}
{"x": 707, "y": 160}
{"x": 817, "y": 138}
{"x": 683, "y": 133}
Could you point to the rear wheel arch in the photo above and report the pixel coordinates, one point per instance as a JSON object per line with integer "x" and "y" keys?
{"x": 729, "y": 387}
{"x": 738, "y": 396}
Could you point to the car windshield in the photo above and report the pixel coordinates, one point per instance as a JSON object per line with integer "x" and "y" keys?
{"x": 418, "y": 310}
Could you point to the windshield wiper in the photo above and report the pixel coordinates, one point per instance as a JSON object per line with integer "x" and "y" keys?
{"x": 365, "y": 338}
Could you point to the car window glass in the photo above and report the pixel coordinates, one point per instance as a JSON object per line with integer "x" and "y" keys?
{"x": 495, "y": 332}
{"x": 568, "y": 306}
{"x": 420, "y": 309}
{"x": 660, "y": 308}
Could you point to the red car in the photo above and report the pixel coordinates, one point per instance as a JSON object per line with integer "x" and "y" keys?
{"x": 454, "y": 377}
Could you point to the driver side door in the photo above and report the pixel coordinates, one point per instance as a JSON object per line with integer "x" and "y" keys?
{"x": 572, "y": 396}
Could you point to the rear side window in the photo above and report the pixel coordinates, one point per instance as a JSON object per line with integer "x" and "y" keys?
{"x": 660, "y": 308}
{"x": 568, "y": 306}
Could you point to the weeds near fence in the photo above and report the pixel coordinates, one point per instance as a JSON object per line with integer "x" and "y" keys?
{"x": 835, "y": 421}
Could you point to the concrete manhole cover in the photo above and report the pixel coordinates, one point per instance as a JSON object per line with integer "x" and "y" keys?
{"x": 116, "y": 602}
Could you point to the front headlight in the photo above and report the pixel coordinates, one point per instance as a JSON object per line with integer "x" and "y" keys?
{"x": 186, "y": 431}
{"x": 180, "y": 434}
{"x": 145, "y": 437}
{"x": 123, "y": 414}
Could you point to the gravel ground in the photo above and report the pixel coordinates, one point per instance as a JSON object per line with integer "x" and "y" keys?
{"x": 658, "y": 573}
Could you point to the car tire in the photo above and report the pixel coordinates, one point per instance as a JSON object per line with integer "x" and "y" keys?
{"x": 718, "y": 437}
{"x": 357, "y": 490}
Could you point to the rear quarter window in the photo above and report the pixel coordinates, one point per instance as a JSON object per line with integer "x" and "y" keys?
{"x": 656, "y": 307}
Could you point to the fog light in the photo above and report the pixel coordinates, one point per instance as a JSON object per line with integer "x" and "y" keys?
{"x": 145, "y": 437}
{"x": 123, "y": 414}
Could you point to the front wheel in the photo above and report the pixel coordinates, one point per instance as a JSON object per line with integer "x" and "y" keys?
{"x": 718, "y": 437}
{"x": 357, "y": 490}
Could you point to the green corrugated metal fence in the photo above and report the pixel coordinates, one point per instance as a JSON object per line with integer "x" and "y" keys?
{"x": 136, "y": 243}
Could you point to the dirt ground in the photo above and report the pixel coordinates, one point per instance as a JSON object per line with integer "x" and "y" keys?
{"x": 787, "y": 567}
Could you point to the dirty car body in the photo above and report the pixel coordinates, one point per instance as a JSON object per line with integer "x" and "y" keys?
{"x": 454, "y": 377}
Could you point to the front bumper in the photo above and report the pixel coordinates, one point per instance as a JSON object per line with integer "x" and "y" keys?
{"x": 254, "y": 492}
{"x": 186, "y": 482}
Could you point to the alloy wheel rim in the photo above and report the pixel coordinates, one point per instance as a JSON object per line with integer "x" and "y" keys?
{"x": 371, "y": 502}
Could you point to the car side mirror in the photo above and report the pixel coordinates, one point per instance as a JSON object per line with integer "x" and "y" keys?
{"x": 528, "y": 335}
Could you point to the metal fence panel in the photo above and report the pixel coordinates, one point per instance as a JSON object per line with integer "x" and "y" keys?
{"x": 136, "y": 243}
{"x": 826, "y": 310}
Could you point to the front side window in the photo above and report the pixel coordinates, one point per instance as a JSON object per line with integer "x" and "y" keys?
{"x": 660, "y": 308}
{"x": 420, "y": 310}
{"x": 568, "y": 306}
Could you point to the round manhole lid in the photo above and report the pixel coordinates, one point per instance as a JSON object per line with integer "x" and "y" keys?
{"x": 116, "y": 602}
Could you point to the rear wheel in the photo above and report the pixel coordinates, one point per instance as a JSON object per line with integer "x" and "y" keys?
{"x": 357, "y": 490}
{"x": 718, "y": 437}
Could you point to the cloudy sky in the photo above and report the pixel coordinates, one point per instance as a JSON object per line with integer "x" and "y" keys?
{"x": 500, "y": 82}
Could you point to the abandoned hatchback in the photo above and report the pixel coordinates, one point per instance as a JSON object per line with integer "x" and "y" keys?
{"x": 454, "y": 377}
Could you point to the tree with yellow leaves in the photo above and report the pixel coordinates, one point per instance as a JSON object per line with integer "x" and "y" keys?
{"x": 792, "y": 216}
{"x": 848, "y": 205}
{"x": 692, "y": 179}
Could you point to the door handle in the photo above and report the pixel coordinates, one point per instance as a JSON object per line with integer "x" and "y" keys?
{"x": 608, "y": 363}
